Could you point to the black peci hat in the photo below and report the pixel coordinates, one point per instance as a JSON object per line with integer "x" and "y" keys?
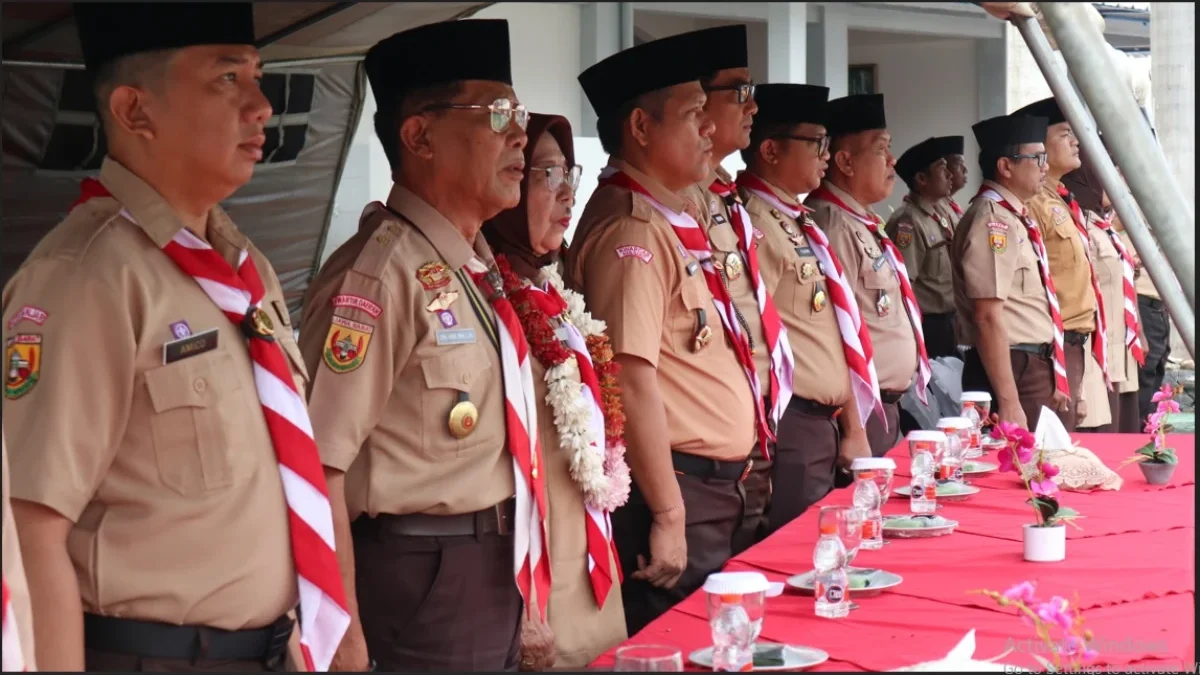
{"x": 997, "y": 133}
{"x": 790, "y": 103}
{"x": 718, "y": 48}
{"x": 111, "y": 30}
{"x": 1047, "y": 107}
{"x": 639, "y": 70}
{"x": 918, "y": 158}
{"x": 949, "y": 145}
{"x": 852, "y": 114}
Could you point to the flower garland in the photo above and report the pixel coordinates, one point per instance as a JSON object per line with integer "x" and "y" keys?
{"x": 603, "y": 479}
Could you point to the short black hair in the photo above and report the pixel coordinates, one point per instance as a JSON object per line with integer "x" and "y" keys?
{"x": 144, "y": 69}
{"x": 760, "y": 133}
{"x": 989, "y": 156}
{"x": 610, "y": 129}
{"x": 387, "y": 121}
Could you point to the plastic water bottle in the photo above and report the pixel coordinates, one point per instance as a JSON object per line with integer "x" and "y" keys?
{"x": 733, "y": 639}
{"x": 972, "y": 416}
{"x": 867, "y": 499}
{"x": 831, "y": 584}
{"x": 923, "y": 487}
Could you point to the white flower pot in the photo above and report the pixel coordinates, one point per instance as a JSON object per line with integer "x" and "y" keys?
{"x": 1045, "y": 544}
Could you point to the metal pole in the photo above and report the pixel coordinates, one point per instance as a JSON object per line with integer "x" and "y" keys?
{"x": 1178, "y": 305}
{"x": 1130, "y": 140}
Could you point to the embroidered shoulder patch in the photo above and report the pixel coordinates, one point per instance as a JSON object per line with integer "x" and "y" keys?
{"x": 1060, "y": 215}
{"x": 346, "y": 345}
{"x": 358, "y": 302}
{"x": 904, "y": 234}
{"x": 996, "y": 226}
{"x": 23, "y": 359}
{"x": 998, "y": 241}
{"x": 635, "y": 252}
{"x": 28, "y": 312}
{"x": 434, "y": 275}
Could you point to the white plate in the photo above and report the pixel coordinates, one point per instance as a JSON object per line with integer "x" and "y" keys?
{"x": 881, "y": 580}
{"x": 990, "y": 443}
{"x": 971, "y": 467}
{"x": 963, "y": 492}
{"x": 947, "y": 527}
{"x": 795, "y": 657}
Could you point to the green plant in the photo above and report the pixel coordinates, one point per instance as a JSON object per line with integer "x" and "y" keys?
{"x": 1156, "y": 450}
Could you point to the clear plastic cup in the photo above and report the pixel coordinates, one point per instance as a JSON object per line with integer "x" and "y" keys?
{"x": 958, "y": 443}
{"x": 933, "y": 442}
{"x": 736, "y": 604}
{"x": 982, "y": 401}
{"x": 882, "y": 471}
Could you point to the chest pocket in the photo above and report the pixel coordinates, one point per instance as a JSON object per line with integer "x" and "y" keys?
{"x": 805, "y": 283}
{"x": 1063, "y": 246}
{"x": 197, "y": 402}
{"x": 463, "y": 369}
{"x": 683, "y": 320}
{"x": 1029, "y": 277}
{"x": 286, "y": 337}
{"x": 937, "y": 260}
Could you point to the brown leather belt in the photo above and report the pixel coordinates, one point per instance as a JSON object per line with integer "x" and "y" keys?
{"x": 1075, "y": 338}
{"x": 890, "y": 397}
{"x": 703, "y": 467}
{"x": 153, "y": 640}
{"x": 814, "y": 409}
{"x": 495, "y": 520}
{"x": 1046, "y": 351}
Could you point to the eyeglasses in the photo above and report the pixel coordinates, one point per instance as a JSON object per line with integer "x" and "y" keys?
{"x": 1039, "y": 156}
{"x": 558, "y": 174}
{"x": 821, "y": 141}
{"x": 745, "y": 92}
{"x": 502, "y": 112}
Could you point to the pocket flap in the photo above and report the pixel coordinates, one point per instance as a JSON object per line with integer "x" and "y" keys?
{"x": 456, "y": 369}
{"x": 183, "y": 384}
{"x": 694, "y": 296}
{"x": 876, "y": 278}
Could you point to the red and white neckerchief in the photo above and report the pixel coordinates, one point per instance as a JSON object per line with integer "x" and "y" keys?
{"x": 782, "y": 362}
{"x": 856, "y": 339}
{"x": 939, "y": 219}
{"x": 531, "y": 556}
{"x": 894, "y": 257}
{"x": 1039, "y": 248}
{"x": 239, "y": 294}
{"x": 1100, "y": 336}
{"x": 1127, "y": 272}
{"x": 955, "y": 207}
{"x": 693, "y": 239}
{"x": 597, "y": 522}
{"x": 13, "y": 659}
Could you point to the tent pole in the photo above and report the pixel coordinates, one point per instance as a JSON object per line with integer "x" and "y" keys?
{"x": 1142, "y": 162}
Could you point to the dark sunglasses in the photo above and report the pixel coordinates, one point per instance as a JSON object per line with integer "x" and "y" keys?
{"x": 821, "y": 141}
{"x": 745, "y": 92}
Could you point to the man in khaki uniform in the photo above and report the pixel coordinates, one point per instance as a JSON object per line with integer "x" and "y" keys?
{"x": 146, "y": 486}
{"x": 691, "y": 412}
{"x": 1069, "y": 266}
{"x": 951, "y": 147}
{"x": 408, "y": 394}
{"x": 923, "y": 233}
{"x": 18, "y": 615}
{"x": 1004, "y": 309}
{"x": 862, "y": 173}
{"x": 786, "y": 157}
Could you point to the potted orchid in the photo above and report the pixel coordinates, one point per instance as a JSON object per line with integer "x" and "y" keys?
{"x": 1155, "y": 459}
{"x": 1045, "y": 540}
{"x": 1057, "y": 623}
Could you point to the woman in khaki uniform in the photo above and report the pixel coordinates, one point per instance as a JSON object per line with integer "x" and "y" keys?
{"x": 586, "y": 474}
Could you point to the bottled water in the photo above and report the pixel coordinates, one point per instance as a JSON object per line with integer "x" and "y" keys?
{"x": 923, "y": 487}
{"x": 867, "y": 499}
{"x": 733, "y": 638}
{"x": 831, "y": 581}
{"x": 971, "y": 414}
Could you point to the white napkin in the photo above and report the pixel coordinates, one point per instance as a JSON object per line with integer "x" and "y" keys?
{"x": 1050, "y": 433}
{"x": 961, "y": 659}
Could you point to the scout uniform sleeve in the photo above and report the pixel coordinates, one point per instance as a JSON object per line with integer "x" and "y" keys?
{"x": 354, "y": 341}
{"x": 904, "y": 232}
{"x": 989, "y": 255}
{"x": 845, "y": 246}
{"x": 70, "y": 361}
{"x": 627, "y": 285}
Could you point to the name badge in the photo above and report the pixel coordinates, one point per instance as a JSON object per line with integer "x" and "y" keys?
{"x": 804, "y": 251}
{"x": 193, "y": 345}
{"x": 718, "y": 219}
{"x": 878, "y": 263}
{"x": 462, "y": 336}
{"x": 692, "y": 268}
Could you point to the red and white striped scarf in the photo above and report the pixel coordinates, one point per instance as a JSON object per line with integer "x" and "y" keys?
{"x": 955, "y": 207}
{"x": 872, "y": 223}
{"x": 693, "y": 239}
{"x": 13, "y": 659}
{"x": 856, "y": 339}
{"x": 782, "y": 362}
{"x": 531, "y": 558}
{"x": 1039, "y": 247}
{"x": 1100, "y": 336}
{"x": 597, "y": 522}
{"x": 1127, "y": 273}
{"x": 323, "y": 614}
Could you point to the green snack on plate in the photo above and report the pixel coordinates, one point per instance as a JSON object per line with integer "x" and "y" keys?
{"x": 768, "y": 656}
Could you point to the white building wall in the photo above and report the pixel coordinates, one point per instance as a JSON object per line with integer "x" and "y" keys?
{"x": 929, "y": 89}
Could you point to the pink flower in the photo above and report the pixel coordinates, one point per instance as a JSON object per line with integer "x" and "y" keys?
{"x": 1049, "y": 470}
{"x": 1153, "y": 420}
{"x": 1164, "y": 394}
{"x": 1088, "y": 655}
{"x": 1043, "y": 488}
{"x": 1168, "y": 407}
{"x": 1024, "y": 454}
{"x": 1023, "y": 591}
{"x": 1006, "y": 460}
{"x": 1057, "y": 612}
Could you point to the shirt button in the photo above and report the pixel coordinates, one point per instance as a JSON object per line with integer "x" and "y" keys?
{"x": 466, "y": 378}
{"x": 200, "y": 385}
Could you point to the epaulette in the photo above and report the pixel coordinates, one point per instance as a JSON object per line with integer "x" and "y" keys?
{"x": 373, "y": 259}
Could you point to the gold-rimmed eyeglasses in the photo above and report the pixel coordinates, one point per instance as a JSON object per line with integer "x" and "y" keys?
{"x": 558, "y": 174}
{"x": 502, "y": 112}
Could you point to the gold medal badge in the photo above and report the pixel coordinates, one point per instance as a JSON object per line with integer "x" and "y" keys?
{"x": 884, "y": 304}
{"x": 434, "y": 275}
{"x": 701, "y": 339}
{"x": 733, "y": 265}
{"x": 819, "y": 299}
{"x": 464, "y": 417}
{"x": 807, "y": 270}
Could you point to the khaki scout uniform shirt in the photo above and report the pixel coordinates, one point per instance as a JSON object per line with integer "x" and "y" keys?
{"x": 993, "y": 258}
{"x": 875, "y": 284}
{"x": 14, "y": 574}
{"x": 387, "y": 369}
{"x": 920, "y": 231}
{"x": 1068, "y": 260}
{"x": 793, "y": 277}
{"x": 634, "y": 275}
{"x": 1142, "y": 283}
{"x": 718, "y": 225}
{"x": 167, "y": 470}
{"x": 1110, "y": 274}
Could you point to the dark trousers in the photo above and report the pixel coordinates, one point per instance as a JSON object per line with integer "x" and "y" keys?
{"x": 882, "y": 439}
{"x": 1124, "y": 411}
{"x": 1157, "y": 327}
{"x": 95, "y": 661}
{"x": 1033, "y": 374}
{"x": 1075, "y": 361}
{"x": 939, "y": 335}
{"x": 758, "y": 486}
{"x": 437, "y": 603}
{"x": 804, "y": 463}
{"x": 715, "y": 516}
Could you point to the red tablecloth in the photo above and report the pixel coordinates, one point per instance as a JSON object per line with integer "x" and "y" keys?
{"x": 1132, "y": 566}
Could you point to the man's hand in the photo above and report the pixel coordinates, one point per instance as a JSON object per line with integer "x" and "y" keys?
{"x": 853, "y": 447}
{"x": 1081, "y": 409}
{"x": 537, "y": 643}
{"x": 1061, "y": 402}
{"x": 668, "y": 550}
{"x": 1013, "y": 412}
{"x": 351, "y": 655}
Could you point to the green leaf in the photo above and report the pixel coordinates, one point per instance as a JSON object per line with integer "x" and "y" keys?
{"x": 1066, "y": 512}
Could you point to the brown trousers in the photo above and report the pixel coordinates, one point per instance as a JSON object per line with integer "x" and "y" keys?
{"x": 437, "y": 603}
{"x": 759, "y": 489}
{"x": 1124, "y": 410}
{"x": 108, "y": 662}
{"x": 804, "y": 464}
{"x": 716, "y": 515}
{"x": 1075, "y": 362}
{"x": 1034, "y": 377}
{"x": 881, "y": 439}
